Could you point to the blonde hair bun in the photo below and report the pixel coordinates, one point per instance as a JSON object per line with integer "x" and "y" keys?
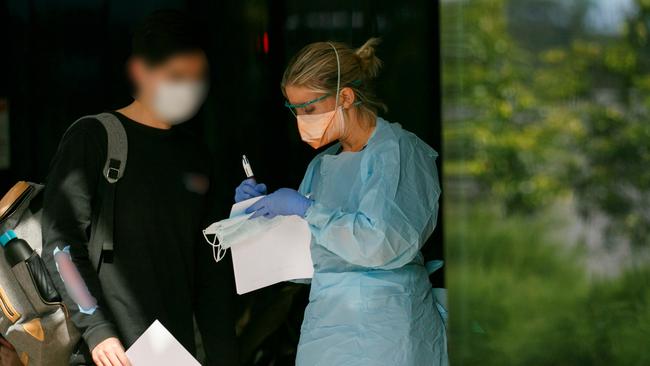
{"x": 370, "y": 63}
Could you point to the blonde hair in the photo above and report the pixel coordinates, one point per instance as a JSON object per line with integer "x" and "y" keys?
{"x": 315, "y": 67}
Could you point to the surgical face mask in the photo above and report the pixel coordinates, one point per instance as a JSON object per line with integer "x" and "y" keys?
{"x": 321, "y": 129}
{"x": 223, "y": 234}
{"x": 177, "y": 101}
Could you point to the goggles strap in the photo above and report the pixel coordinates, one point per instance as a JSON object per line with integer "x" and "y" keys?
{"x": 338, "y": 68}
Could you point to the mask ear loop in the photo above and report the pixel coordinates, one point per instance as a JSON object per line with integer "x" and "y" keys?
{"x": 338, "y": 68}
{"x": 218, "y": 252}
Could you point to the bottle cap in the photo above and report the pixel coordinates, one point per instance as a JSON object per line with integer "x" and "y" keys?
{"x": 7, "y": 237}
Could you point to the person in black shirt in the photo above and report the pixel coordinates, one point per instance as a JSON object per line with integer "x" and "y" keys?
{"x": 160, "y": 268}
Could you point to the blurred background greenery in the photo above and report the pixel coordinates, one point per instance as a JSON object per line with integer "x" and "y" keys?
{"x": 546, "y": 105}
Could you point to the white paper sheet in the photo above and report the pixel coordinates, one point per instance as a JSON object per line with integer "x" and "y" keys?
{"x": 157, "y": 347}
{"x": 280, "y": 254}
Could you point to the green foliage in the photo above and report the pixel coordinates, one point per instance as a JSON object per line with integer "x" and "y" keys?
{"x": 518, "y": 297}
{"x": 620, "y": 312}
{"x": 496, "y": 126}
{"x": 528, "y": 122}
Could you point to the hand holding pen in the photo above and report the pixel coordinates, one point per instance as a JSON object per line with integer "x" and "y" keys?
{"x": 249, "y": 188}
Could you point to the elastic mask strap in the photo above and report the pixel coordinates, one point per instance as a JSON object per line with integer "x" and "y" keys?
{"x": 338, "y": 68}
{"x": 218, "y": 252}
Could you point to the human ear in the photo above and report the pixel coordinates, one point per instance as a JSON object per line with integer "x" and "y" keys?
{"x": 347, "y": 97}
{"x": 136, "y": 70}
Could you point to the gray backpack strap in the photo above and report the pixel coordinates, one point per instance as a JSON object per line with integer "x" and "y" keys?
{"x": 117, "y": 147}
{"x": 100, "y": 246}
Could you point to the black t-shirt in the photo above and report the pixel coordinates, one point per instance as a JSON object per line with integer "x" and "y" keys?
{"x": 162, "y": 269}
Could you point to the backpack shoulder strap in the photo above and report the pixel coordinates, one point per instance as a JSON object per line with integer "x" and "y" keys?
{"x": 100, "y": 245}
{"x": 116, "y": 155}
{"x": 117, "y": 147}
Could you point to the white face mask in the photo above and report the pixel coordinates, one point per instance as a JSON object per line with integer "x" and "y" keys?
{"x": 225, "y": 233}
{"x": 176, "y": 102}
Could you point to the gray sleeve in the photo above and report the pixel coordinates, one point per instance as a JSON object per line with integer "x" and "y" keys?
{"x": 69, "y": 198}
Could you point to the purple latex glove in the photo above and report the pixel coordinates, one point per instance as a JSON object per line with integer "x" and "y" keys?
{"x": 249, "y": 189}
{"x": 284, "y": 202}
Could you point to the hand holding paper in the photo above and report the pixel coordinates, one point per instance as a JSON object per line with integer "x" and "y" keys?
{"x": 283, "y": 202}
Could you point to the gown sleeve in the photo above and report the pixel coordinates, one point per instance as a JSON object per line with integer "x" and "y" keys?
{"x": 396, "y": 214}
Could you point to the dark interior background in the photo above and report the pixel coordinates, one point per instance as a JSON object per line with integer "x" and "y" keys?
{"x": 64, "y": 59}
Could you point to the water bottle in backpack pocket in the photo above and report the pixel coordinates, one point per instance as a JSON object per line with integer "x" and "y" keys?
{"x": 32, "y": 317}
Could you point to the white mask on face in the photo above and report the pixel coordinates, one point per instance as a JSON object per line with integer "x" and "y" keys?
{"x": 176, "y": 102}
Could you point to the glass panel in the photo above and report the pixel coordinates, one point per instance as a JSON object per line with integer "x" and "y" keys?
{"x": 547, "y": 146}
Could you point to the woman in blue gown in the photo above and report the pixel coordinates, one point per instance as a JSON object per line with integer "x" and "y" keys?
{"x": 371, "y": 201}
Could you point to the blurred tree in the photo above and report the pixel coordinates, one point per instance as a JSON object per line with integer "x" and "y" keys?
{"x": 498, "y": 129}
{"x": 540, "y": 106}
{"x": 530, "y": 121}
{"x": 613, "y": 178}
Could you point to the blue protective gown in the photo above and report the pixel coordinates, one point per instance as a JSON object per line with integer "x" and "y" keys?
{"x": 371, "y": 301}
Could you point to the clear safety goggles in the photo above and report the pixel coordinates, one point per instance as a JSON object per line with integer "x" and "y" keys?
{"x": 294, "y": 107}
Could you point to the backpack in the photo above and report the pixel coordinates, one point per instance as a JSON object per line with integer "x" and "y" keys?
{"x": 42, "y": 331}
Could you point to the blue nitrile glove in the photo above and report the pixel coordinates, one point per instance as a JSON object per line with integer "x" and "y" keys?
{"x": 284, "y": 202}
{"x": 249, "y": 189}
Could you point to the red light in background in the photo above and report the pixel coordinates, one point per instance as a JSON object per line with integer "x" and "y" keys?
{"x": 265, "y": 42}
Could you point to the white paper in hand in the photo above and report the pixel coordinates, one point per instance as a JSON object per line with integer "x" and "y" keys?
{"x": 157, "y": 347}
{"x": 280, "y": 254}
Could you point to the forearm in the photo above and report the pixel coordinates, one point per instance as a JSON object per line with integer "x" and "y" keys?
{"x": 76, "y": 280}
